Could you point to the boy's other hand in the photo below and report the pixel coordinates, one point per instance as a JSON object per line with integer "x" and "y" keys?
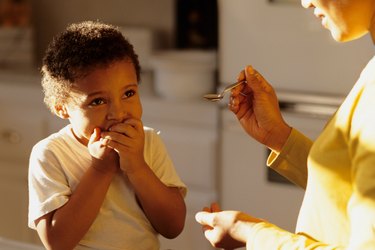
{"x": 108, "y": 158}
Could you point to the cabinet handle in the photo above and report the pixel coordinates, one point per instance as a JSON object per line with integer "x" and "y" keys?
{"x": 11, "y": 136}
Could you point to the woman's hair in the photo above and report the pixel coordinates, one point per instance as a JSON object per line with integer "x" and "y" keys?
{"x": 75, "y": 52}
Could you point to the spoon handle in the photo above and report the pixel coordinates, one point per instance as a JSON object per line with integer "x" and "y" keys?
{"x": 233, "y": 85}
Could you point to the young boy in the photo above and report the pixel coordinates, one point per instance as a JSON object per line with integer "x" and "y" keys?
{"x": 104, "y": 181}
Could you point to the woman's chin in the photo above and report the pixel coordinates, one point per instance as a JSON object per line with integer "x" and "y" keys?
{"x": 341, "y": 36}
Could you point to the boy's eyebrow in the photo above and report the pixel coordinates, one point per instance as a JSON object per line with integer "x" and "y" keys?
{"x": 100, "y": 92}
{"x": 95, "y": 93}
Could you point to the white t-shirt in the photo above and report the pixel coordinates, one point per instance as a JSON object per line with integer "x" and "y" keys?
{"x": 56, "y": 166}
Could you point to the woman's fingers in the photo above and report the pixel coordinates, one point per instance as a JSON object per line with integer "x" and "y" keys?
{"x": 215, "y": 207}
{"x": 205, "y": 218}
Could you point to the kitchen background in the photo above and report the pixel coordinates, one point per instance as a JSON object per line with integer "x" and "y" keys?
{"x": 187, "y": 48}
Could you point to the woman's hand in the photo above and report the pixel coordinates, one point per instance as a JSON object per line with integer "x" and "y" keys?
{"x": 256, "y": 106}
{"x": 225, "y": 229}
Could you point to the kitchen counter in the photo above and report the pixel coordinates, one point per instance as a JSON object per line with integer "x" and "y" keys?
{"x": 6, "y": 244}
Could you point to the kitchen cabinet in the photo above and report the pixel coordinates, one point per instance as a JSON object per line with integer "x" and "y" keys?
{"x": 20, "y": 128}
{"x": 14, "y": 201}
{"x": 24, "y": 121}
{"x": 7, "y": 244}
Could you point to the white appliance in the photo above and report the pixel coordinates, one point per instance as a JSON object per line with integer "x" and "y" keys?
{"x": 288, "y": 45}
{"x": 247, "y": 184}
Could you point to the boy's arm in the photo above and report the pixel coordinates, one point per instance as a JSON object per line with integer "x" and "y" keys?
{"x": 164, "y": 206}
{"x": 66, "y": 226}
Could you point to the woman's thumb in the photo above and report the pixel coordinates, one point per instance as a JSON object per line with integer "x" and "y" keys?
{"x": 257, "y": 81}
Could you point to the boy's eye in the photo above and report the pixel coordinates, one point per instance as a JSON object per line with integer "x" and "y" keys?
{"x": 97, "y": 102}
{"x": 129, "y": 93}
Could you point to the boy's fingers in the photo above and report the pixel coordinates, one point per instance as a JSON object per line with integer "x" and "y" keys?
{"x": 95, "y": 135}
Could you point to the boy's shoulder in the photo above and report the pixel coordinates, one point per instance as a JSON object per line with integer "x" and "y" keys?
{"x": 152, "y": 137}
{"x": 151, "y": 133}
{"x": 53, "y": 139}
{"x": 148, "y": 130}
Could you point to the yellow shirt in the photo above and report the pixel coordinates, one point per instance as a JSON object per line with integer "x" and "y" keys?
{"x": 338, "y": 210}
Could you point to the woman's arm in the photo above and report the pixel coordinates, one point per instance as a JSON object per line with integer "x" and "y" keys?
{"x": 233, "y": 229}
{"x": 256, "y": 107}
{"x": 291, "y": 161}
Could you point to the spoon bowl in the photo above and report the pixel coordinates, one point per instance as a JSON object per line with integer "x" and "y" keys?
{"x": 218, "y": 97}
{"x": 213, "y": 97}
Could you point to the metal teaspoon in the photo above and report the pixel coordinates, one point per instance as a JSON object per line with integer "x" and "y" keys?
{"x": 218, "y": 97}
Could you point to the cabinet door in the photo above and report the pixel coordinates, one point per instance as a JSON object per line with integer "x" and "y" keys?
{"x": 189, "y": 131}
{"x": 193, "y": 151}
{"x": 21, "y": 127}
{"x": 14, "y": 202}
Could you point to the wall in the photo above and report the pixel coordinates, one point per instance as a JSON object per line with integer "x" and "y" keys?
{"x": 52, "y": 16}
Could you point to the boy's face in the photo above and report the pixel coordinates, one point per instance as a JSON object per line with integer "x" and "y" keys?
{"x": 106, "y": 96}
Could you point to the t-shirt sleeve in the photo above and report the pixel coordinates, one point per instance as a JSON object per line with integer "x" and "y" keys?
{"x": 48, "y": 189}
{"x": 159, "y": 161}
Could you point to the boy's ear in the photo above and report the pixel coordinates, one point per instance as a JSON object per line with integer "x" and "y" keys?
{"x": 60, "y": 111}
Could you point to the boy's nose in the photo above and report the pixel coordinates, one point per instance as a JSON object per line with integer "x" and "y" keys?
{"x": 307, "y": 3}
{"x": 116, "y": 112}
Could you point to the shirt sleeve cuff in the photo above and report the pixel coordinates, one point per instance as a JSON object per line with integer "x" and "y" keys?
{"x": 291, "y": 162}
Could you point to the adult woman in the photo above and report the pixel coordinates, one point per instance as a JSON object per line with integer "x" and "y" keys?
{"x": 337, "y": 170}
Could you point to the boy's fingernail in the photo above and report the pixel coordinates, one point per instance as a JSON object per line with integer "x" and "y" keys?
{"x": 105, "y": 141}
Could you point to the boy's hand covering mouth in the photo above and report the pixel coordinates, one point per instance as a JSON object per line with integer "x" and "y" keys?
{"x": 127, "y": 139}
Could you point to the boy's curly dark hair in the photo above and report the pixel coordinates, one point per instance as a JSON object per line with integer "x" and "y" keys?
{"x": 80, "y": 48}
